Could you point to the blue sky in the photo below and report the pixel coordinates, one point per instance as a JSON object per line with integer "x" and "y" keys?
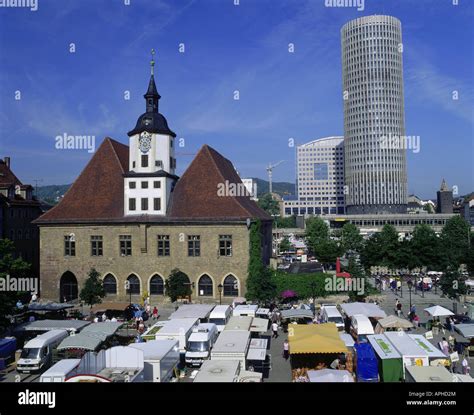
{"x": 282, "y": 95}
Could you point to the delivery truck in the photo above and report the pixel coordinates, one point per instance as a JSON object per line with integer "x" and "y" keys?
{"x": 200, "y": 343}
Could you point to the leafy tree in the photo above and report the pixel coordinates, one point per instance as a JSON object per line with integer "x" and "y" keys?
{"x": 288, "y": 222}
{"x": 177, "y": 285}
{"x": 455, "y": 241}
{"x": 389, "y": 246}
{"x": 305, "y": 285}
{"x": 16, "y": 268}
{"x": 93, "y": 290}
{"x": 327, "y": 251}
{"x": 357, "y": 273}
{"x": 352, "y": 240}
{"x": 405, "y": 256}
{"x": 425, "y": 247}
{"x": 371, "y": 254}
{"x": 285, "y": 244}
{"x": 267, "y": 203}
{"x": 470, "y": 256}
{"x": 452, "y": 283}
{"x": 317, "y": 231}
{"x": 260, "y": 285}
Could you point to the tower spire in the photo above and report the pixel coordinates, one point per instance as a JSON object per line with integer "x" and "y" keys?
{"x": 152, "y": 62}
{"x": 152, "y": 96}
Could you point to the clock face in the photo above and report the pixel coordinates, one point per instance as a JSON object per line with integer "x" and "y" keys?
{"x": 144, "y": 142}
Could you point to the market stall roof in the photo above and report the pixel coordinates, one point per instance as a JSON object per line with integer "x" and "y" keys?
{"x": 91, "y": 336}
{"x": 466, "y": 330}
{"x": 62, "y": 367}
{"x": 258, "y": 343}
{"x": 200, "y": 311}
{"x": 383, "y": 347}
{"x": 429, "y": 373}
{"x": 156, "y": 349}
{"x": 404, "y": 344}
{"x": 462, "y": 378}
{"x": 49, "y": 306}
{"x": 297, "y": 313}
{"x": 330, "y": 375}
{"x": 394, "y": 322}
{"x": 367, "y": 309}
{"x": 218, "y": 371}
{"x": 259, "y": 325}
{"x": 438, "y": 311}
{"x": 239, "y": 323}
{"x": 433, "y": 351}
{"x": 47, "y": 325}
{"x": 315, "y": 338}
{"x": 347, "y": 339}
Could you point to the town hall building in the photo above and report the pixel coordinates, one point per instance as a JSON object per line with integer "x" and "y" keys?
{"x": 129, "y": 216}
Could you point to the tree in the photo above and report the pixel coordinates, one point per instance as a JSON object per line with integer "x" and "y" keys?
{"x": 15, "y": 268}
{"x": 267, "y": 203}
{"x": 371, "y": 254}
{"x": 389, "y": 246}
{"x": 455, "y": 242}
{"x": 285, "y": 245}
{"x": 260, "y": 285}
{"x": 357, "y": 273}
{"x": 452, "y": 283}
{"x": 470, "y": 256}
{"x": 405, "y": 257}
{"x": 305, "y": 285}
{"x": 288, "y": 222}
{"x": 317, "y": 231}
{"x": 352, "y": 240}
{"x": 93, "y": 290}
{"x": 327, "y": 251}
{"x": 425, "y": 247}
{"x": 177, "y": 285}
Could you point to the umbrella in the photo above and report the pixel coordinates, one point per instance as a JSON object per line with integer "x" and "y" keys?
{"x": 288, "y": 294}
{"x": 438, "y": 311}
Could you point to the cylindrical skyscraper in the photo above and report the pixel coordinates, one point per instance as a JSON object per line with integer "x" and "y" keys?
{"x": 374, "y": 120}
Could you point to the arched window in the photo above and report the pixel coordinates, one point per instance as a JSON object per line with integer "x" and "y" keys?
{"x": 110, "y": 284}
{"x": 205, "y": 286}
{"x": 157, "y": 286}
{"x": 133, "y": 284}
{"x": 231, "y": 286}
{"x": 68, "y": 289}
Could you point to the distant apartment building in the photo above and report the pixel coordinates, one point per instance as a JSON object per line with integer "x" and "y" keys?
{"x": 18, "y": 208}
{"x": 320, "y": 178}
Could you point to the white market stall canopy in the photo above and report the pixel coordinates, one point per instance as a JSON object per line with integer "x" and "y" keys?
{"x": 199, "y": 311}
{"x": 91, "y": 336}
{"x": 366, "y": 309}
{"x": 433, "y": 351}
{"x": 393, "y": 322}
{"x": 47, "y": 325}
{"x": 438, "y": 311}
{"x": 330, "y": 375}
{"x": 259, "y": 325}
{"x": 466, "y": 330}
{"x": 383, "y": 347}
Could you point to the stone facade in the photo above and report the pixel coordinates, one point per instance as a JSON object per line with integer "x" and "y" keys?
{"x": 144, "y": 261}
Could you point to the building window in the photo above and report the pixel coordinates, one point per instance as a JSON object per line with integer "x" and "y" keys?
{"x": 321, "y": 171}
{"x": 125, "y": 245}
{"x": 144, "y": 185}
{"x": 157, "y": 203}
{"x": 225, "y": 245}
{"x": 144, "y": 203}
{"x": 133, "y": 285}
{"x": 194, "y": 245}
{"x": 96, "y": 245}
{"x": 205, "y": 286}
{"x": 132, "y": 185}
{"x": 163, "y": 245}
{"x": 157, "y": 286}
{"x": 157, "y": 184}
{"x": 110, "y": 284}
{"x": 231, "y": 286}
{"x": 144, "y": 160}
{"x": 132, "y": 204}
{"x": 69, "y": 246}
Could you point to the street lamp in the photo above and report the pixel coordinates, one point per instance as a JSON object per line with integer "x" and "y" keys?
{"x": 219, "y": 288}
{"x": 410, "y": 286}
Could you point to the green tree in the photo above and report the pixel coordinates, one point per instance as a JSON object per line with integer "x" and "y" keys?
{"x": 357, "y": 273}
{"x": 260, "y": 285}
{"x": 405, "y": 256}
{"x": 288, "y": 222}
{"x": 389, "y": 246}
{"x": 470, "y": 256}
{"x": 93, "y": 290}
{"x": 371, "y": 254}
{"x": 351, "y": 238}
{"x": 452, "y": 283}
{"x": 425, "y": 245}
{"x": 455, "y": 242}
{"x": 317, "y": 231}
{"x": 15, "y": 268}
{"x": 305, "y": 285}
{"x": 285, "y": 244}
{"x": 177, "y": 285}
{"x": 327, "y": 251}
{"x": 267, "y": 203}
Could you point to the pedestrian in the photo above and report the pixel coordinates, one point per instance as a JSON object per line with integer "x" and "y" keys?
{"x": 451, "y": 323}
{"x": 399, "y": 285}
{"x": 275, "y": 330}
{"x": 347, "y": 324}
{"x": 286, "y": 350}
{"x": 384, "y": 284}
{"x": 398, "y": 307}
{"x": 465, "y": 366}
{"x": 444, "y": 346}
{"x": 155, "y": 313}
{"x": 416, "y": 321}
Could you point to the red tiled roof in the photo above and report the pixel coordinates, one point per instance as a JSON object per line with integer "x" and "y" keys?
{"x": 97, "y": 194}
{"x": 98, "y": 191}
{"x": 7, "y": 177}
{"x": 196, "y": 195}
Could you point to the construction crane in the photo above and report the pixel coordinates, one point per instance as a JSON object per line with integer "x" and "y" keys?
{"x": 270, "y": 173}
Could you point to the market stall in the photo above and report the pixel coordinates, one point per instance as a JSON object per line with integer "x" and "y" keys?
{"x": 367, "y": 309}
{"x": 392, "y": 323}
{"x": 366, "y": 363}
{"x": 315, "y": 346}
{"x": 389, "y": 360}
{"x": 425, "y": 374}
{"x": 412, "y": 354}
{"x": 330, "y": 376}
{"x": 433, "y": 352}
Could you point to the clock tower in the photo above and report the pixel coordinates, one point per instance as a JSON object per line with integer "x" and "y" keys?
{"x": 152, "y": 163}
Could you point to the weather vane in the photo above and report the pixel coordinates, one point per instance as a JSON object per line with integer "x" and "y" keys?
{"x": 152, "y": 63}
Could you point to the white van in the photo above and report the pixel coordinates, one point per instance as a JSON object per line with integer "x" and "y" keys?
{"x": 220, "y": 316}
{"x": 330, "y": 314}
{"x": 38, "y": 352}
{"x": 361, "y": 327}
{"x": 200, "y": 343}
{"x": 245, "y": 310}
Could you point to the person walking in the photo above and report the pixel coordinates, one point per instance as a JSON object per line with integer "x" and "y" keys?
{"x": 286, "y": 349}
{"x": 444, "y": 346}
{"x": 398, "y": 307}
{"x": 274, "y": 330}
{"x": 465, "y": 366}
{"x": 155, "y": 313}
